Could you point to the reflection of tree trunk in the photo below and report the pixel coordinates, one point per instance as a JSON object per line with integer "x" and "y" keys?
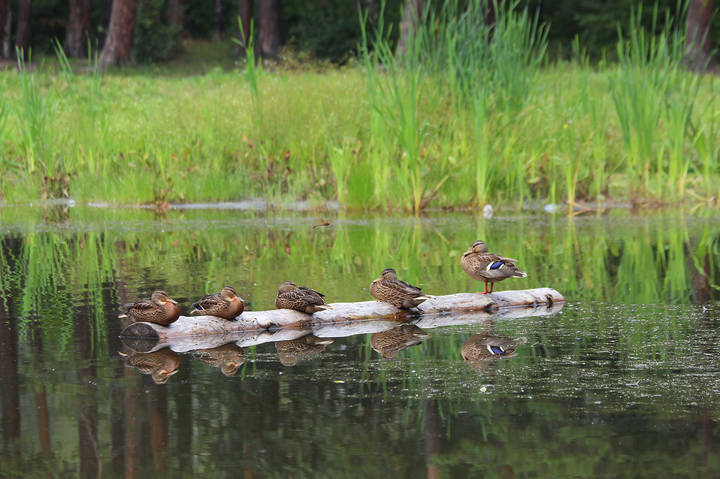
{"x": 184, "y": 429}
{"x": 698, "y": 42}
{"x": 9, "y": 376}
{"x": 22, "y": 35}
{"x": 132, "y": 422}
{"x": 157, "y": 410}
{"x": 117, "y": 407}
{"x": 245, "y": 12}
{"x": 269, "y": 28}
{"x": 86, "y": 399}
{"x": 432, "y": 436}
{"x": 43, "y": 419}
{"x": 78, "y": 29}
{"x": 412, "y": 13}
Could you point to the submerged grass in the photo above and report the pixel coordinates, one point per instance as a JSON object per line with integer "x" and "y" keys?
{"x": 467, "y": 116}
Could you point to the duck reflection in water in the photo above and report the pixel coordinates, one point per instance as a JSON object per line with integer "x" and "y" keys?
{"x": 160, "y": 365}
{"x": 389, "y": 343}
{"x": 227, "y": 358}
{"x": 482, "y": 348}
{"x": 301, "y": 349}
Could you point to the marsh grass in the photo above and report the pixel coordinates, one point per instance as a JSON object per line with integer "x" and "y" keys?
{"x": 464, "y": 118}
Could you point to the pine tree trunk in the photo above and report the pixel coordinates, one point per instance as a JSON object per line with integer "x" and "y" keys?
{"x": 245, "y": 12}
{"x": 4, "y": 10}
{"x": 118, "y": 45}
{"x": 698, "y": 43}
{"x": 22, "y": 35}
{"x": 269, "y": 28}
{"x": 176, "y": 15}
{"x": 78, "y": 29}
{"x": 412, "y": 13}
{"x": 217, "y": 30}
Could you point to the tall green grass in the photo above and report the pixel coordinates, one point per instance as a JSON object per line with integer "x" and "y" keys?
{"x": 469, "y": 115}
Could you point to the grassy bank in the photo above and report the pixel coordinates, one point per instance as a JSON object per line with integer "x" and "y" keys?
{"x": 382, "y": 134}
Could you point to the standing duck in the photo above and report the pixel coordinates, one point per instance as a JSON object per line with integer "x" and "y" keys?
{"x": 300, "y": 298}
{"x": 159, "y": 309}
{"x": 489, "y": 267}
{"x": 388, "y": 289}
{"x": 389, "y": 343}
{"x": 226, "y": 304}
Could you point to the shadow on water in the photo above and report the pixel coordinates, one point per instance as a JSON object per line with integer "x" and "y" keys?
{"x": 627, "y": 369}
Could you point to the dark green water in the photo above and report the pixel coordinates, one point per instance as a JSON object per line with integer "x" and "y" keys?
{"x": 623, "y": 381}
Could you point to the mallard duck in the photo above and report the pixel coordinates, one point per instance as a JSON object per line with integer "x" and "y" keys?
{"x": 228, "y": 358}
{"x": 226, "y": 304}
{"x": 300, "y": 298}
{"x": 389, "y": 343}
{"x": 160, "y": 309}
{"x": 388, "y": 289}
{"x": 483, "y": 346}
{"x": 294, "y": 350}
{"x": 160, "y": 365}
{"x": 489, "y": 267}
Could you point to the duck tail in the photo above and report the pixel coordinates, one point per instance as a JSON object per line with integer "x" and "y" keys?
{"x": 520, "y": 274}
{"x": 123, "y": 315}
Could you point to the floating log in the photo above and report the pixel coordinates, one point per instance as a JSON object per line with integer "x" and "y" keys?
{"x": 248, "y": 321}
{"x": 331, "y": 330}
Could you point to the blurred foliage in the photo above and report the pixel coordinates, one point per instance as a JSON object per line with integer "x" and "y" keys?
{"x": 154, "y": 40}
{"x": 329, "y": 29}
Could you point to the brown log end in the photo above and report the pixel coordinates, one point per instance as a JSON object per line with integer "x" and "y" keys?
{"x": 140, "y": 330}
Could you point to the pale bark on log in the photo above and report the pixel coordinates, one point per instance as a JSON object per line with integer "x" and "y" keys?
{"x": 329, "y": 330}
{"x": 341, "y": 313}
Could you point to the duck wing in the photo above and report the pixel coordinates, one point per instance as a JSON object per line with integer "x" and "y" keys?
{"x": 142, "y": 305}
{"x": 408, "y": 288}
{"x": 310, "y": 295}
{"x": 207, "y": 301}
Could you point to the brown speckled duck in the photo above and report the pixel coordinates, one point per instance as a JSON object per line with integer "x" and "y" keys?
{"x": 488, "y": 267}
{"x": 227, "y": 358}
{"x": 160, "y": 365}
{"x": 300, "y": 298}
{"x": 388, "y": 289}
{"x": 160, "y": 309}
{"x": 294, "y": 350}
{"x": 389, "y": 343}
{"x": 226, "y": 304}
{"x": 483, "y": 347}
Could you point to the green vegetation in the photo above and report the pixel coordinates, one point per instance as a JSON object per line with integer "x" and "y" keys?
{"x": 462, "y": 119}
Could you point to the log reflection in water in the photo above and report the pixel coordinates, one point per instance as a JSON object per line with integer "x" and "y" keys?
{"x": 157, "y": 411}
{"x": 389, "y": 343}
{"x": 301, "y": 349}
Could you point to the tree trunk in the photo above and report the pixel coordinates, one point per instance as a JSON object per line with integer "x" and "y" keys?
{"x": 217, "y": 30}
{"x": 22, "y": 35}
{"x": 4, "y": 10}
{"x": 78, "y": 29}
{"x": 176, "y": 15}
{"x": 6, "y": 30}
{"x": 118, "y": 45}
{"x": 245, "y": 12}
{"x": 698, "y": 34}
{"x": 412, "y": 13}
{"x": 269, "y": 28}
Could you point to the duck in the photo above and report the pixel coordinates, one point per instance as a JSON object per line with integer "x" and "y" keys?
{"x": 228, "y": 358}
{"x": 225, "y": 304}
{"x": 304, "y": 348}
{"x": 389, "y": 343}
{"x": 300, "y": 298}
{"x": 388, "y": 289}
{"x": 488, "y": 267}
{"x": 160, "y": 365}
{"x": 484, "y": 346}
{"x": 159, "y": 309}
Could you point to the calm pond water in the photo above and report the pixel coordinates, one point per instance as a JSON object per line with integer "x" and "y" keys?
{"x": 623, "y": 381}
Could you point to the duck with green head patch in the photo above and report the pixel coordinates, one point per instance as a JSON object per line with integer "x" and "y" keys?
{"x": 488, "y": 267}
